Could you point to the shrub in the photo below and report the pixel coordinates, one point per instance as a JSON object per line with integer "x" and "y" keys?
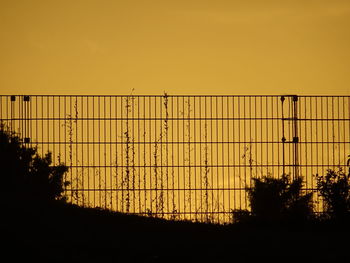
{"x": 277, "y": 200}
{"x": 25, "y": 175}
{"x": 334, "y": 188}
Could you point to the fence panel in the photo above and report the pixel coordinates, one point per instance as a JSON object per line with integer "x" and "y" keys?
{"x": 181, "y": 157}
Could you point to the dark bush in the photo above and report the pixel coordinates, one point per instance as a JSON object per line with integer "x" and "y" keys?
{"x": 27, "y": 175}
{"x": 277, "y": 200}
{"x": 334, "y": 188}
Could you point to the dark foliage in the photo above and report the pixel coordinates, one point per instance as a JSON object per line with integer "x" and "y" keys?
{"x": 277, "y": 200}
{"x": 25, "y": 175}
{"x": 334, "y": 188}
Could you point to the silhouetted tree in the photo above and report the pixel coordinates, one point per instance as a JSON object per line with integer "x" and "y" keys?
{"x": 27, "y": 175}
{"x": 334, "y": 188}
{"x": 277, "y": 200}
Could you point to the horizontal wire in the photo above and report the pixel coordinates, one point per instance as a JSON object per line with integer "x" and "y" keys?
{"x": 170, "y": 119}
{"x": 188, "y": 142}
{"x": 164, "y": 189}
{"x": 204, "y": 166}
{"x": 180, "y": 96}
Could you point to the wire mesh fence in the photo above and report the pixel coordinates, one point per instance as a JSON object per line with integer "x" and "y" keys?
{"x": 181, "y": 157}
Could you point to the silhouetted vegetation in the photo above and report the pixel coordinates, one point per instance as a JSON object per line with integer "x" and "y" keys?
{"x": 27, "y": 175}
{"x": 277, "y": 200}
{"x": 334, "y": 188}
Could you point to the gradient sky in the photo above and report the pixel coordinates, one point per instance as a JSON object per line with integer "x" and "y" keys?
{"x": 180, "y": 46}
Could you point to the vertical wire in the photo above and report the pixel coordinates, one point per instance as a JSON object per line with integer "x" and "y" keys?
{"x": 11, "y": 110}
{"x": 178, "y": 152}
{"x": 8, "y": 110}
{"x": 333, "y": 132}
{"x": 206, "y": 160}
{"x": 76, "y": 148}
{"x": 308, "y": 143}
{"x": 88, "y": 149}
{"x": 223, "y": 143}
{"x": 313, "y": 141}
{"x": 200, "y": 158}
{"x": 267, "y": 135}
{"x": 110, "y": 155}
{"x": 322, "y": 144}
{"x": 166, "y": 104}
{"x": 13, "y": 114}
{"x": 256, "y": 136}
{"x": 156, "y": 156}
{"x": 139, "y": 154}
{"x": 245, "y": 151}
{"x": 344, "y": 131}
{"x": 184, "y": 152}
{"x": 161, "y": 135}
{"x": 338, "y": 124}
{"x": 24, "y": 121}
{"x": 133, "y": 152}
{"x": 228, "y": 155}
{"x": 189, "y": 156}
{"x": 272, "y": 137}
{"x": 283, "y": 140}
{"x": 327, "y": 122}
{"x": 345, "y": 118}
{"x": 217, "y": 157}
{"x": 250, "y": 139}
{"x": 1, "y": 112}
{"x": 37, "y": 132}
{"x": 290, "y": 133}
{"x": 144, "y": 154}
{"x": 239, "y": 151}
{"x": 122, "y": 145}
{"x": 31, "y": 121}
{"x": 53, "y": 131}
{"x": 93, "y": 150}
{"x": 194, "y": 157}
{"x": 211, "y": 154}
{"x": 116, "y": 156}
{"x": 276, "y": 117}
{"x": 65, "y": 123}
{"x": 20, "y": 117}
{"x": 300, "y": 124}
{"x": 105, "y": 150}
{"x": 172, "y": 158}
{"x": 70, "y": 145}
{"x": 322, "y": 131}
{"x": 317, "y": 124}
{"x": 261, "y": 135}
{"x": 99, "y": 149}
{"x": 306, "y": 134}
{"x": 47, "y": 119}
{"x": 348, "y": 126}
{"x": 150, "y": 152}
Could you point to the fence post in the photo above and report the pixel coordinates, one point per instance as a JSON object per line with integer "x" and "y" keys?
{"x": 295, "y": 134}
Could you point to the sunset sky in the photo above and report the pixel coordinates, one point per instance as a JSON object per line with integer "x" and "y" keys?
{"x": 177, "y": 46}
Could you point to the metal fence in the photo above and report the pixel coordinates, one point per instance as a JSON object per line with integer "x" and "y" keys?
{"x": 181, "y": 157}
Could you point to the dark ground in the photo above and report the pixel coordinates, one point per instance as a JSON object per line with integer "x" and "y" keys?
{"x": 65, "y": 233}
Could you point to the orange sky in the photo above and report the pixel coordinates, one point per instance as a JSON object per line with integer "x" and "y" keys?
{"x": 177, "y": 46}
